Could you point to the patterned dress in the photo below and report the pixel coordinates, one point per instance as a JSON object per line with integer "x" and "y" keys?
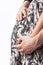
{"x": 25, "y": 27}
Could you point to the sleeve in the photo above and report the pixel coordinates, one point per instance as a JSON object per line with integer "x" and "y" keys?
{"x": 28, "y": 0}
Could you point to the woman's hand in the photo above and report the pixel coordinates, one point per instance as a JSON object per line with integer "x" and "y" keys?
{"x": 26, "y": 44}
{"x": 22, "y": 13}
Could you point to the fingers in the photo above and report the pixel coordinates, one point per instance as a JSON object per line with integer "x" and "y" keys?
{"x": 20, "y": 39}
{"x": 21, "y": 17}
{"x": 18, "y": 46}
{"x": 24, "y": 14}
{"x": 21, "y": 50}
{"x": 17, "y": 17}
{"x": 21, "y": 14}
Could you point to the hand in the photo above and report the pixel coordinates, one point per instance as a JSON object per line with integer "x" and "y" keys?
{"x": 22, "y": 13}
{"x": 26, "y": 44}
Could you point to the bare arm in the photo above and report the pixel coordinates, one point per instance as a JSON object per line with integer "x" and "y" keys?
{"x": 39, "y": 26}
{"x": 38, "y": 39}
{"x": 37, "y": 33}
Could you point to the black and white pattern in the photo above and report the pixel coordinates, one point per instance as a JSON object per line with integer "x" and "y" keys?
{"x": 26, "y": 27}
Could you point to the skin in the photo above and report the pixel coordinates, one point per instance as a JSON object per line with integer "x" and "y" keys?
{"x": 39, "y": 25}
{"x": 22, "y": 13}
{"x": 29, "y": 44}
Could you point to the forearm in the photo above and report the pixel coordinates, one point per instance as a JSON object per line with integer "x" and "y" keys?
{"x": 39, "y": 26}
{"x": 38, "y": 39}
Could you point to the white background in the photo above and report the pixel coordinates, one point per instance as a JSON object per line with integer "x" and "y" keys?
{"x": 8, "y": 11}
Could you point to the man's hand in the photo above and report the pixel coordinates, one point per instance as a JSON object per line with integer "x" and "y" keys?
{"x": 26, "y": 44}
